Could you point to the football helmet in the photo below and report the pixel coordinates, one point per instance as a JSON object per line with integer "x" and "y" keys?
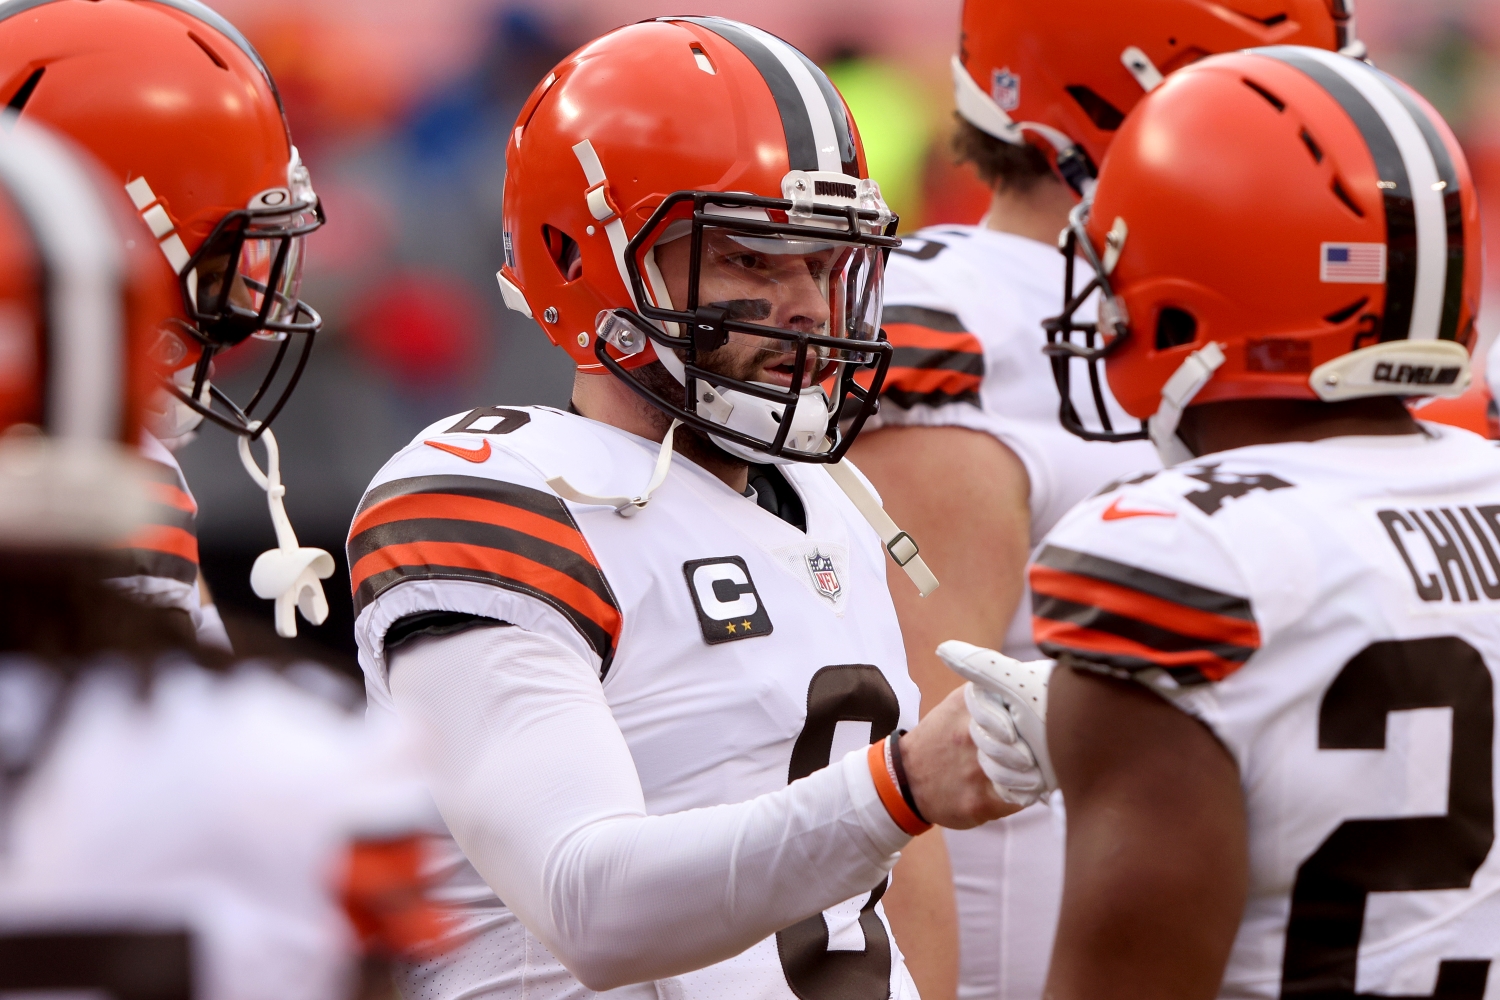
{"x": 1474, "y": 411}
{"x": 1065, "y": 76}
{"x": 692, "y": 190}
{"x": 1284, "y": 223}
{"x": 178, "y": 105}
{"x": 78, "y": 308}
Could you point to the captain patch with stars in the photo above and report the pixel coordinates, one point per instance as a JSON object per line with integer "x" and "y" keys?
{"x": 726, "y": 600}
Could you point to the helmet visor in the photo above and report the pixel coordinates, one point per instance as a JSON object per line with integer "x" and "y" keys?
{"x": 777, "y": 293}
{"x": 247, "y": 277}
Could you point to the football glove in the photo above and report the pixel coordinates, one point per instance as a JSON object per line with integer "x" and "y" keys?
{"x": 1007, "y": 702}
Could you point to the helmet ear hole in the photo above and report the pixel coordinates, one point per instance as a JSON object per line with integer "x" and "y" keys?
{"x": 1175, "y": 327}
{"x": 565, "y": 253}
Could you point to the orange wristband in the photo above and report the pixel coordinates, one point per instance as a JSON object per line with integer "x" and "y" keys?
{"x": 884, "y": 775}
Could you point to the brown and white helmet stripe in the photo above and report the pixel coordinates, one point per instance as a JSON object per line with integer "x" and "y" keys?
{"x": 1419, "y": 186}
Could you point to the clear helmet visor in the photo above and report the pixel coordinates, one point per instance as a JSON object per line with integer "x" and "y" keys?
{"x": 264, "y": 281}
{"x": 825, "y": 291}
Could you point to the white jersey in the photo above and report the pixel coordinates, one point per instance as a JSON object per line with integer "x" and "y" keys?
{"x": 1331, "y": 610}
{"x": 736, "y": 652}
{"x": 158, "y": 564}
{"x": 964, "y": 307}
{"x": 222, "y": 807}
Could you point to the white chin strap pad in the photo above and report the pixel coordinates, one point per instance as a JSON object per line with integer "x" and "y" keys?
{"x": 740, "y": 411}
{"x": 759, "y": 418}
{"x": 1186, "y": 382}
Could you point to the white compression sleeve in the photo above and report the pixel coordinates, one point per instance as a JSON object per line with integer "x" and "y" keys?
{"x": 537, "y": 785}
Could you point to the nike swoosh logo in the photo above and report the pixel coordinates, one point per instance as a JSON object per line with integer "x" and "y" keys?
{"x": 1114, "y": 513}
{"x": 476, "y": 455}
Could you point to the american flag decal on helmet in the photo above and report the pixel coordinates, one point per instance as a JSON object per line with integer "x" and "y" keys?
{"x": 1352, "y": 263}
{"x": 1422, "y": 260}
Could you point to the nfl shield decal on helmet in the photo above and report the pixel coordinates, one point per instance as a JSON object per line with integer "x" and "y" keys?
{"x": 1005, "y": 88}
{"x": 824, "y": 576}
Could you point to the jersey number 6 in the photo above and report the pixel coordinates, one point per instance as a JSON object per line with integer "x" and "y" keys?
{"x": 854, "y": 692}
{"x": 1410, "y": 854}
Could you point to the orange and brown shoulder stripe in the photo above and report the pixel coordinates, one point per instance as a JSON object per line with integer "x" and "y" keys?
{"x": 1124, "y": 617}
{"x": 167, "y": 545}
{"x": 936, "y": 359}
{"x": 485, "y": 531}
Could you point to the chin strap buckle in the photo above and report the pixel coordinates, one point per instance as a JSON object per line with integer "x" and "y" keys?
{"x": 289, "y": 574}
{"x": 624, "y": 506}
{"x": 903, "y": 550}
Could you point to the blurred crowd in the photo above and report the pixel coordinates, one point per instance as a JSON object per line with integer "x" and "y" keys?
{"x": 402, "y": 111}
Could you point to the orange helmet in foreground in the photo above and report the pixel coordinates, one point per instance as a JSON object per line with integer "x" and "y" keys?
{"x": 178, "y": 106}
{"x": 81, "y": 296}
{"x": 690, "y": 183}
{"x": 1279, "y": 223}
{"x": 1474, "y": 411}
{"x": 1066, "y": 75}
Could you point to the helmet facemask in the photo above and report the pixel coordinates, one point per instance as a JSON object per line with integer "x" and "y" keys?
{"x": 780, "y": 307}
{"x": 244, "y": 282}
{"x": 1070, "y": 340}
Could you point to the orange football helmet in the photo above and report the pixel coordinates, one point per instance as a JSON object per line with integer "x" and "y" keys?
{"x": 1474, "y": 411}
{"x": 79, "y": 306}
{"x": 1278, "y": 223}
{"x": 716, "y": 133}
{"x": 180, "y": 108}
{"x": 1065, "y": 76}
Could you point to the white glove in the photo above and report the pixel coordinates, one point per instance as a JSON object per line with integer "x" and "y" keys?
{"x": 1007, "y": 702}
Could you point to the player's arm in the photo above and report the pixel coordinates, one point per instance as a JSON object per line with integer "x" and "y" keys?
{"x": 538, "y": 787}
{"x": 1156, "y": 858}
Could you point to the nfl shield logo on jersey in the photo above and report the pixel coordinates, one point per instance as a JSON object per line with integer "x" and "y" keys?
{"x": 825, "y": 578}
{"x": 1005, "y": 88}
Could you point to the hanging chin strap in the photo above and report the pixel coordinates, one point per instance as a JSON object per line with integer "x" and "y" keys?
{"x": 624, "y": 506}
{"x": 899, "y": 544}
{"x": 288, "y": 574}
{"x": 1186, "y": 382}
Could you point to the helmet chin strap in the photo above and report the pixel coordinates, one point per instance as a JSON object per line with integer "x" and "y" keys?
{"x": 1186, "y": 382}
{"x": 289, "y": 574}
{"x": 624, "y": 506}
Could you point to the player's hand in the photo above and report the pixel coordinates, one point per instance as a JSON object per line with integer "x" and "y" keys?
{"x": 943, "y": 772}
{"x": 1007, "y": 702}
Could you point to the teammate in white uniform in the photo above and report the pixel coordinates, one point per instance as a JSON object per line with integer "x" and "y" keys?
{"x": 1039, "y": 90}
{"x": 180, "y": 109}
{"x": 1274, "y": 714}
{"x": 159, "y": 562}
{"x": 666, "y": 721}
{"x": 165, "y": 830}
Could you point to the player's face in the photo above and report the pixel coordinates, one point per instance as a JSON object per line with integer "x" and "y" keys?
{"x": 771, "y": 282}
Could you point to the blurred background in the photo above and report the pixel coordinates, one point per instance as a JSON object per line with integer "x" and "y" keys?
{"x": 401, "y": 110}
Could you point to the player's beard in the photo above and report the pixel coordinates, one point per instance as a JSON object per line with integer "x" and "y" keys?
{"x": 690, "y": 443}
{"x": 731, "y": 361}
